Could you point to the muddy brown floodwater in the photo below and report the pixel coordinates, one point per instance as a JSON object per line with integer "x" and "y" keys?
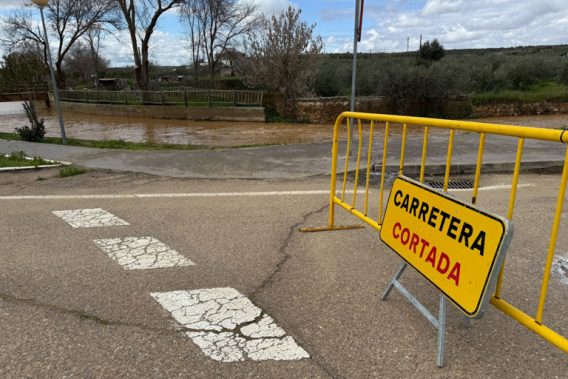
{"x": 207, "y": 133}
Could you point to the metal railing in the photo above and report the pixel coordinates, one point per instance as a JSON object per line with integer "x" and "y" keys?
{"x": 359, "y": 207}
{"x": 186, "y": 98}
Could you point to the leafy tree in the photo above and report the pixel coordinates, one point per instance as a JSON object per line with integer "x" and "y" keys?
{"x": 23, "y": 67}
{"x": 283, "y": 58}
{"x": 432, "y": 51}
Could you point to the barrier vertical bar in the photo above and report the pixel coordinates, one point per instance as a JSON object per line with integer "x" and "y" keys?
{"x": 333, "y": 179}
{"x": 360, "y": 135}
{"x": 383, "y": 169}
{"x": 478, "y": 168}
{"x": 552, "y": 243}
{"x": 347, "y": 155}
{"x": 449, "y": 160}
{"x": 402, "y": 150}
{"x": 512, "y": 199}
{"x": 369, "y": 153}
{"x": 424, "y": 151}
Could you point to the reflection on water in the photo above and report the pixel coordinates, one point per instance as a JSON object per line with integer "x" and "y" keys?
{"x": 208, "y": 133}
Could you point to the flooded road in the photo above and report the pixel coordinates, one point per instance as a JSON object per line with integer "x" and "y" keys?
{"x": 207, "y": 133}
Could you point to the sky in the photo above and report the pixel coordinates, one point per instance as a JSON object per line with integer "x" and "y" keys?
{"x": 387, "y": 26}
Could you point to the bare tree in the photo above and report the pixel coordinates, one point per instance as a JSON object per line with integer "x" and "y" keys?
{"x": 221, "y": 24}
{"x": 141, "y": 17}
{"x": 68, "y": 21}
{"x": 283, "y": 57}
{"x": 81, "y": 61}
{"x": 190, "y": 15}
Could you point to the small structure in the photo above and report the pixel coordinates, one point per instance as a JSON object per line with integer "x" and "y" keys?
{"x": 111, "y": 84}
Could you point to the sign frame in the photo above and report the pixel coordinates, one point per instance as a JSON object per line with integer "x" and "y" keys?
{"x": 498, "y": 257}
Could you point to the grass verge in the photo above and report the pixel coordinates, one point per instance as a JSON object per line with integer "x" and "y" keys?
{"x": 121, "y": 144}
{"x": 19, "y": 159}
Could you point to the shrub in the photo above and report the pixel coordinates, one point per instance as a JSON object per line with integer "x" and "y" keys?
{"x": 71, "y": 171}
{"x": 36, "y": 131}
{"x": 432, "y": 51}
{"x": 564, "y": 74}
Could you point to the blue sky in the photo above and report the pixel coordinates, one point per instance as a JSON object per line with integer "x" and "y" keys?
{"x": 386, "y": 27}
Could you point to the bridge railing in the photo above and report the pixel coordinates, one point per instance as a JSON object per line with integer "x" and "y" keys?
{"x": 181, "y": 98}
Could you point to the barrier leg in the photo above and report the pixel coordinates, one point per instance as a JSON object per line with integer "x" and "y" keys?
{"x": 438, "y": 323}
{"x": 441, "y": 332}
{"x": 390, "y": 286}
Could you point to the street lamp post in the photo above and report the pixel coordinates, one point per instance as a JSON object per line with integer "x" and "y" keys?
{"x": 41, "y": 4}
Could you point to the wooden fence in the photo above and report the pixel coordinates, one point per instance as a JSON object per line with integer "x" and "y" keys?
{"x": 187, "y": 98}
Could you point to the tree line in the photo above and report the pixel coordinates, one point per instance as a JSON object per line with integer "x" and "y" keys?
{"x": 273, "y": 53}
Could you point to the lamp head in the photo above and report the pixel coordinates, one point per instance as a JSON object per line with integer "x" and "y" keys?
{"x": 40, "y": 3}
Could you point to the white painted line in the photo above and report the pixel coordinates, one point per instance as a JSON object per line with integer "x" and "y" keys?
{"x": 168, "y": 195}
{"x": 493, "y": 188}
{"x": 139, "y": 253}
{"x": 89, "y": 218}
{"x": 228, "y": 327}
{"x": 214, "y": 194}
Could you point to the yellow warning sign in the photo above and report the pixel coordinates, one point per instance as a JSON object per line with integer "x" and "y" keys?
{"x": 457, "y": 247}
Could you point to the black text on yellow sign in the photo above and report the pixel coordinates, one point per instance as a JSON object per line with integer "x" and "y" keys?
{"x": 457, "y": 247}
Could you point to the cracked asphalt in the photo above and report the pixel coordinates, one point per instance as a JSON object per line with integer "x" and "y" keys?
{"x": 67, "y": 309}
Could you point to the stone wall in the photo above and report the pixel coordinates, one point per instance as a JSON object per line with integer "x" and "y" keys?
{"x": 519, "y": 109}
{"x": 168, "y": 112}
{"x": 325, "y": 110}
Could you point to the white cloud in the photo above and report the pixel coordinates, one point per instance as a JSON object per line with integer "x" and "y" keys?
{"x": 461, "y": 24}
{"x": 272, "y": 7}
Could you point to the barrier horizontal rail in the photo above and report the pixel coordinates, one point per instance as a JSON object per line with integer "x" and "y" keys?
{"x": 355, "y": 120}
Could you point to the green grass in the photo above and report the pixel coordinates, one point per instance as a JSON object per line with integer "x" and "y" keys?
{"x": 121, "y": 144}
{"x": 547, "y": 91}
{"x": 65, "y": 172}
{"x": 18, "y": 159}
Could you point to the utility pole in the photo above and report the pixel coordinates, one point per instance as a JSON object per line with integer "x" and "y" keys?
{"x": 407, "y": 44}
{"x": 41, "y": 4}
{"x": 356, "y": 38}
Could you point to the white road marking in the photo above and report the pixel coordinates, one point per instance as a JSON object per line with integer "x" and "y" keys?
{"x": 212, "y": 194}
{"x": 560, "y": 269}
{"x": 139, "y": 253}
{"x": 493, "y": 188}
{"x": 89, "y": 218}
{"x": 168, "y": 195}
{"x": 228, "y": 327}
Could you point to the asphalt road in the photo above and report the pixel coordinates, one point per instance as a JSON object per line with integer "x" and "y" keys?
{"x": 68, "y": 309}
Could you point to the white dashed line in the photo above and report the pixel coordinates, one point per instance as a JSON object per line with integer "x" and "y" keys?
{"x": 139, "y": 253}
{"x": 228, "y": 327}
{"x": 89, "y": 218}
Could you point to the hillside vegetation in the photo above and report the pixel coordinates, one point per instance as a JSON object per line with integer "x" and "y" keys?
{"x": 522, "y": 74}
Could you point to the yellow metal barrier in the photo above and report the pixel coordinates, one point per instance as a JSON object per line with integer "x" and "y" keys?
{"x": 483, "y": 129}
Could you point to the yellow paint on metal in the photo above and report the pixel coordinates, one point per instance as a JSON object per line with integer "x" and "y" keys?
{"x": 455, "y": 246}
{"x": 369, "y": 154}
{"x": 402, "y": 150}
{"x": 359, "y": 147}
{"x": 383, "y": 169}
{"x": 512, "y": 198}
{"x": 424, "y": 152}
{"x": 478, "y": 168}
{"x": 449, "y": 160}
{"x": 552, "y": 242}
{"x": 521, "y": 132}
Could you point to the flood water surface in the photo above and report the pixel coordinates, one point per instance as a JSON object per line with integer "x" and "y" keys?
{"x": 207, "y": 133}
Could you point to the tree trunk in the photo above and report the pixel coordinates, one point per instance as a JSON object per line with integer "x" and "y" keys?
{"x": 59, "y": 75}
